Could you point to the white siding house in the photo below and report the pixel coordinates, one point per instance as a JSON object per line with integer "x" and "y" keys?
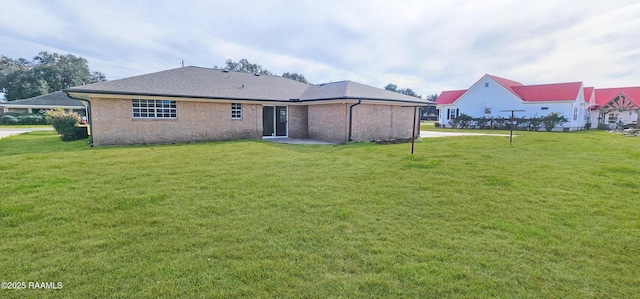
{"x": 492, "y": 96}
{"x": 612, "y": 107}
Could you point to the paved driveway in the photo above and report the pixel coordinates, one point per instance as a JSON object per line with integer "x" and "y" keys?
{"x": 6, "y": 132}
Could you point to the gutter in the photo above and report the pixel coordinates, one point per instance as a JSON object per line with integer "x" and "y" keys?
{"x": 235, "y": 99}
{"x": 351, "y": 118}
{"x": 89, "y": 116}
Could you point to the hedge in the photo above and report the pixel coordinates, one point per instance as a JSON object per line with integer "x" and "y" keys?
{"x": 22, "y": 119}
{"x": 535, "y": 123}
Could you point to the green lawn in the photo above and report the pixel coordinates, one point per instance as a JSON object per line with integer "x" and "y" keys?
{"x": 555, "y": 215}
{"x": 24, "y": 126}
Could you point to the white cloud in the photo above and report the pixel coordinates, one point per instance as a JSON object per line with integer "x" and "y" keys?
{"x": 420, "y": 45}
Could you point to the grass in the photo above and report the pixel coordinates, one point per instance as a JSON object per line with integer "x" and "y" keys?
{"x": 24, "y": 126}
{"x": 555, "y": 215}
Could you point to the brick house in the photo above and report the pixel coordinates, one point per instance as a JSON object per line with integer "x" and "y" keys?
{"x": 192, "y": 104}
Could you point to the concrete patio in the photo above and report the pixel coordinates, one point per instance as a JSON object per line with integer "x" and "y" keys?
{"x": 297, "y": 141}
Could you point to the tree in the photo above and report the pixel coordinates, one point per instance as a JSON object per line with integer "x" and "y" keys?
{"x": 295, "y": 76}
{"x": 391, "y": 87}
{"x": 244, "y": 66}
{"x": 46, "y": 73}
{"x": 552, "y": 120}
{"x": 97, "y": 77}
{"x": 407, "y": 91}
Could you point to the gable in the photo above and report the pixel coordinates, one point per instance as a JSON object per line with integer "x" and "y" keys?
{"x": 589, "y": 95}
{"x": 490, "y": 89}
{"x": 618, "y": 98}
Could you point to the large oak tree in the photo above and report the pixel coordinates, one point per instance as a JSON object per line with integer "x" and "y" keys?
{"x": 47, "y": 72}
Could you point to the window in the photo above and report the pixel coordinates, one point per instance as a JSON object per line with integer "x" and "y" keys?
{"x": 487, "y": 110}
{"x": 154, "y": 109}
{"x": 486, "y": 84}
{"x": 19, "y": 110}
{"x": 544, "y": 108}
{"x": 452, "y": 113}
{"x": 575, "y": 113}
{"x": 236, "y": 111}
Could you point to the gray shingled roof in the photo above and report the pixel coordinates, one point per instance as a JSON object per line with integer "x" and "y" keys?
{"x": 198, "y": 82}
{"x": 58, "y": 98}
{"x": 353, "y": 90}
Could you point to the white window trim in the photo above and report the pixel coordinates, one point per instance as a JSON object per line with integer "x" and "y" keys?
{"x": 160, "y": 109}
{"x": 236, "y": 110}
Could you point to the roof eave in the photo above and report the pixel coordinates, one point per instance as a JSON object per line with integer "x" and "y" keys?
{"x": 95, "y": 93}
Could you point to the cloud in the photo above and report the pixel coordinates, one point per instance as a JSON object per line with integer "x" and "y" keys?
{"x": 420, "y": 45}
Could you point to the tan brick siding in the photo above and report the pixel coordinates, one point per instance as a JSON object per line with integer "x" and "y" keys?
{"x": 381, "y": 122}
{"x": 370, "y": 122}
{"x": 298, "y": 122}
{"x": 113, "y": 124}
{"x": 329, "y": 122}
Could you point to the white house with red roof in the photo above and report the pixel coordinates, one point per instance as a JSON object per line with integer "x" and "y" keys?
{"x": 492, "y": 96}
{"x": 614, "y": 106}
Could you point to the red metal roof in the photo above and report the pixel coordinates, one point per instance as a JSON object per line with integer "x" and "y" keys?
{"x": 606, "y": 95}
{"x": 588, "y": 93}
{"x": 450, "y": 96}
{"x": 553, "y": 92}
{"x": 549, "y": 92}
{"x": 528, "y": 93}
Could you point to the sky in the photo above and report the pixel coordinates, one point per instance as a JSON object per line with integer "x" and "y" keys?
{"x": 428, "y": 46}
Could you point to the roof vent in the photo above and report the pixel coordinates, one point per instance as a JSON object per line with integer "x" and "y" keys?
{"x": 256, "y": 74}
{"x": 242, "y": 86}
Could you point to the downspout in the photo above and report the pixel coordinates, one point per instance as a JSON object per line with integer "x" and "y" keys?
{"x": 351, "y": 119}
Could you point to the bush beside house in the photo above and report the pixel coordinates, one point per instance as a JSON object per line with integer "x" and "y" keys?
{"x": 65, "y": 124}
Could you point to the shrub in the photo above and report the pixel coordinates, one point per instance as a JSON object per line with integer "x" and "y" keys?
{"x": 8, "y": 120}
{"x": 519, "y": 123}
{"x": 32, "y": 119}
{"x": 64, "y": 123}
{"x": 464, "y": 120}
{"x": 552, "y": 120}
{"x": 534, "y": 123}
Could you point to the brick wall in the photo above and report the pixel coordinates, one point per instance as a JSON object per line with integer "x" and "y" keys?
{"x": 381, "y": 122}
{"x": 298, "y": 122}
{"x": 329, "y": 122}
{"x": 113, "y": 124}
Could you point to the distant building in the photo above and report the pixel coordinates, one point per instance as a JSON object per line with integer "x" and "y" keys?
{"x": 613, "y": 106}
{"x": 41, "y": 103}
{"x": 492, "y": 96}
